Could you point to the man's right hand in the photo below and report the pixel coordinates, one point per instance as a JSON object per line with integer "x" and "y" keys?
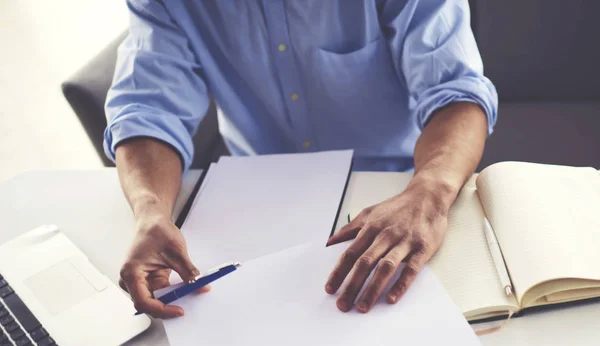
{"x": 150, "y": 174}
{"x": 158, "y": 248}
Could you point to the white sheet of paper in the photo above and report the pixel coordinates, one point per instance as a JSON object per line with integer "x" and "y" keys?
{"x": 280, "y": 300}
{"x": 258, "y": 205}
{"x": 212, "y": 171}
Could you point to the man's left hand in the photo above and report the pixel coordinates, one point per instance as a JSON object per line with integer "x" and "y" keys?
{"x": 409, "y": 227}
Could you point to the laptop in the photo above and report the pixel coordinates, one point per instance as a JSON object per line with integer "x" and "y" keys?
{"x": 50, "y": 294}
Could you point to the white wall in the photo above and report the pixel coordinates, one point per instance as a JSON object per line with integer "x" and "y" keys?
{"x": 42, "y": 43}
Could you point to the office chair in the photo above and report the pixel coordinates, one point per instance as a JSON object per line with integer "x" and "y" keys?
{"x": 86, "y": 93}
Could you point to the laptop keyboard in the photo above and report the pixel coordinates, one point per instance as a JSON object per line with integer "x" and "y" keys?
{"x": 18, "y": 326}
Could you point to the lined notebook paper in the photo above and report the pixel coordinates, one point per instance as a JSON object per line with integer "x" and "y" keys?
{"x": 464, "y": 264}
{"x": 546, "y": 220}
{"x": 280, "y": 300}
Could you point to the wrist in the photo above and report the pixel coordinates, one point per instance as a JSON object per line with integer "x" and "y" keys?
{"x": 149, "y": 206}
{"x": 435, "y": 190}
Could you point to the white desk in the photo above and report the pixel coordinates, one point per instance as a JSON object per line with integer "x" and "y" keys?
{"x": 90, "y": 208}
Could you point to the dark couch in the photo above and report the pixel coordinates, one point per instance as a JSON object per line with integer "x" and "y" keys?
{"x": 540, "y": 54}
{"x": 544, "y": 60}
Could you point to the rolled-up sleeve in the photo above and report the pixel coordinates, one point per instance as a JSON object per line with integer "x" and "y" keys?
{"x": 157, "y": 89}
{"x": 438, "y": 58}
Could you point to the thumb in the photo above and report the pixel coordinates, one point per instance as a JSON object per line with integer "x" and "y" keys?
{"x": 349, "y": 231}
{"x": 182, "y": 264}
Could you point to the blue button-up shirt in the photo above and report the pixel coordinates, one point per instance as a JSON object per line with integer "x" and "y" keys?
{"x": 296, "y": 76}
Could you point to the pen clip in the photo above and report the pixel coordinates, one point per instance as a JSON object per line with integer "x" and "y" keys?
{"x": 216, "y": 269}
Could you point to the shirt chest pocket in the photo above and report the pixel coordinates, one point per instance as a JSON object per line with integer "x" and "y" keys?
{"x": 359, "y": 80}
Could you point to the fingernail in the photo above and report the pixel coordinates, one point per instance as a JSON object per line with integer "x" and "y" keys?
{"x": 329, "y": 289}
{"x": 342, "y": 306}
{"x": 362, "y": 307}
{"x": 392, "y": 298}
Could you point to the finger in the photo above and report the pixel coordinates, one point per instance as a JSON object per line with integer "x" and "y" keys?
{"x": 122, "y": 285}
{"x": 203, "y": 289}
{"x": 409, "y": 273}
{"x": 361, "y": 270}
{"x": 347, "y": 260}
{"x": 159, "y": 282}
{"x": 348, "y": 232}
{"x": 137, "y": 286}
{"x": 386, "y": 269}
{"x": 144, "y": 302}
{"x": 180, "y": 262}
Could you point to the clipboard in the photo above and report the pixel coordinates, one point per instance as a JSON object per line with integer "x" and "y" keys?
{"x": 185, "y": 210}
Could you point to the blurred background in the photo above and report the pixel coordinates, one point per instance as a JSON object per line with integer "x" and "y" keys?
{"x": 42, "y": 44}
{"x": 542, "y": 55}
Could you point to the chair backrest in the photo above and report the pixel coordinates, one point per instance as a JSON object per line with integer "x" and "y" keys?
{"x": 86, "y": 93}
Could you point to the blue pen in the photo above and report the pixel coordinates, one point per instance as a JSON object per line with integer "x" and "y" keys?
{"x": 197, "y": 284}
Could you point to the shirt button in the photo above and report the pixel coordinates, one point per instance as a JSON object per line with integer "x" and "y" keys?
{"x": 294, "y": 97}
{"x": 307, "y": 144}
{"x": 282, "y": 47}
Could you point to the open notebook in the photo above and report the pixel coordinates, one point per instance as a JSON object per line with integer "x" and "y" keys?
{"x": 547, "y": 221}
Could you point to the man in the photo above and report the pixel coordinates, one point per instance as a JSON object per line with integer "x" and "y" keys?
{"x": 399, "y": 81}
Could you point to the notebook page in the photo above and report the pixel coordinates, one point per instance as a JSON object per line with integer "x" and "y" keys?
{"x": 280, "y": 300}
{"x": 546, "y": 220}
{"x": 464, "y": 264}
{"x": 253, "y": 206}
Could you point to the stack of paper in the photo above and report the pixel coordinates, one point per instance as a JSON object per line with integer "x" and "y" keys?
{"x": 280, "y": 300}
{"x": 258, "y": 210}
